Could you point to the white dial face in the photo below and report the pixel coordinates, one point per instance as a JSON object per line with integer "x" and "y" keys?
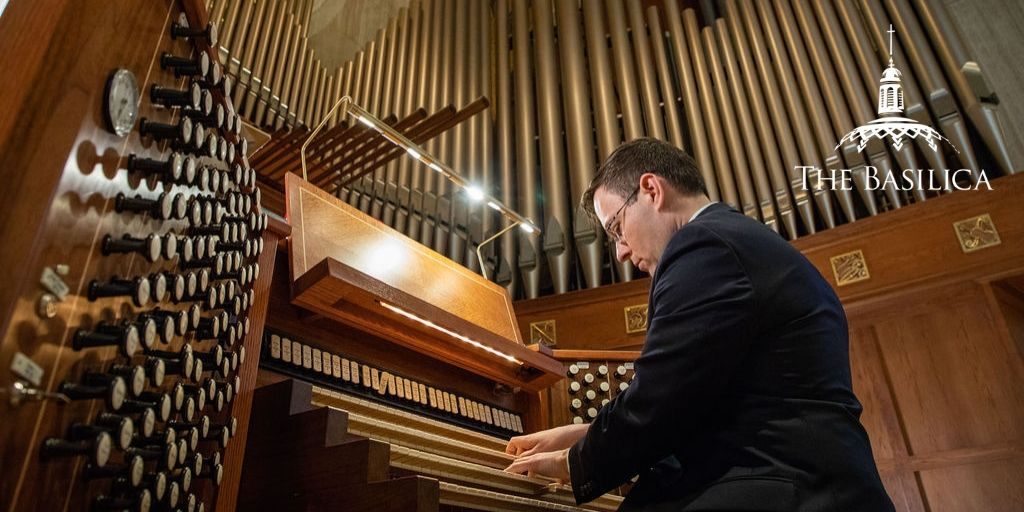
{"x": 121, "y": 102}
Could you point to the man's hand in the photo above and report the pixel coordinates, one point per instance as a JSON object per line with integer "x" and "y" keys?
{"x": 549, "y": 464}
{"x": 550, "y": 440}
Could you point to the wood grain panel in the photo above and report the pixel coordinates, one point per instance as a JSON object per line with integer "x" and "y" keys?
{"x": 325, "y": 227}
{"x": 956, "y": 381}
{"x": 975, "y": 488}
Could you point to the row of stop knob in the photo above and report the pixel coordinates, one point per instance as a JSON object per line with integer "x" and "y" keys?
{"x": 192, "y": 286}
{"x": 200, "y": 211}
{"x": 143, "y": 333}
{"x": 199, "y": 251}
{"x": 184, "y": 169}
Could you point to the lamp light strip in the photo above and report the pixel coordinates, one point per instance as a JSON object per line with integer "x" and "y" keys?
{"x": 453, "y": 334}
{"x": 416, "y": 152}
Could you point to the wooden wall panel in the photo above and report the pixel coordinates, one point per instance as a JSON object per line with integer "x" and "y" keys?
{"x": 955, "y": 379}
{"x": 983, "y": 487}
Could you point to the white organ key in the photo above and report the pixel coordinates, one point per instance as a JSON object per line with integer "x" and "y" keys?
{"x": 275, "y": 346}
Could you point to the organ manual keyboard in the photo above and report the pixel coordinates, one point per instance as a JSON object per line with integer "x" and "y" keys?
{"x": 394, "y": 377}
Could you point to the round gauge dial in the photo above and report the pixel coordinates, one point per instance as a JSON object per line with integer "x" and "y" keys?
{"x": 121, "y": 102}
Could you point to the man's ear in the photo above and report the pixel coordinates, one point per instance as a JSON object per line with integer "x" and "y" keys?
{"x": 655, "y": 186}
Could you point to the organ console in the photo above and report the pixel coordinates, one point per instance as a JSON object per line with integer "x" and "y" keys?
{"x": 142, "y": 244}
{"x": 169, "y": 342}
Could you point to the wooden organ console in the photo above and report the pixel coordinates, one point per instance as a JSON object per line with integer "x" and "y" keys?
{"x": 156, "y": 353}
{"x": 393, "y": 377}
{"x": 133, "y": 256}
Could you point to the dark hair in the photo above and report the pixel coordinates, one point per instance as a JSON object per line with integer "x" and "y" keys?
{"x": 621, "y": 172}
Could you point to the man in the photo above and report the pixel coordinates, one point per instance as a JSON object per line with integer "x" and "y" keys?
{"x": 742, "y": 397}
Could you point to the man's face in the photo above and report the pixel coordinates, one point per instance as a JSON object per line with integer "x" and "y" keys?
{"x": 624, "y": 221}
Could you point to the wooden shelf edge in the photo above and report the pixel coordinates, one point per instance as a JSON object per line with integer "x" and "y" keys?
{"x": 342, "y": 293}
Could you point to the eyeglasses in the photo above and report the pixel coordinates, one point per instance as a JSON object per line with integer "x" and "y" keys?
{"x": 614, "y": 225}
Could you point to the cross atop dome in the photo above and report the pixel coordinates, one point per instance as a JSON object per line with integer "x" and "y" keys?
{"x": 890, "y": 89}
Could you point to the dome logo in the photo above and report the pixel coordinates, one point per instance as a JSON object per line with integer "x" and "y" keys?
{"x": 891, "y": 126}
{"x": 890, "y": 123}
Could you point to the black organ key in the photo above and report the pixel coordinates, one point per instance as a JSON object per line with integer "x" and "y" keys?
{"x": 198, "y": 394}
{"x": 97, "y": 449}
{"x": 164, "y": 326}
{"x": 173, "y": 170}
{"x": 141, "y": 501}
{"x": 169, "y": 97}
{"x": 135, "y": 379}
{"x": 194, "y": 462}
{"x": 183, "y": 476}
{"x": 125, "y": 336}
{"x": 212, "y": 460}
{"x": 206, "y": 102}
{"x": 158, "y": 285}
{"x": 156, "y": 483}
{"x": 181, "y": 362}
{"x": 214, "y": 474}
{"x": 222, "y": 434}
{"x": 121, "y": 433}
{"x": 182, "y": 131}
{"x": 227, "y": 149}
{"x": 150, "y": 247}
{"x": 178, "y": 396}
{"x": 166, "y": 455}
{"x": 147, "y": 328}
{"x": 216, "y": 355}
{"x": 167, "y": 206}
{"x": 208, "y": 34}
{"x": 127, "y": 475}
{"x": 201, "y": 425}
{"x": 196, "y": 141}
{"x": 113, "y": 393}
{"x": 213, "y": 118}
{"x": 215, "y": 263}
{"x": 229, "y": 388}
{"x": 159, "y": 404}
{"x": 178, "y": 285}
{"x": 190, "y": 436}
{"x": 209, "y": 148}
{"x": 215, "y": 77}
{"x": 189, "y": 503}
{"x": 152, "y": 370}
{"x": 188, "y": 409}
{"x": 180, "y": 319}
{"x": 156, "y": 440}
{"x": 182, "y": 446}
{"x": 173, "y": 494}
{"x": 145, "y": 421}
{"x": 185, "y": 66}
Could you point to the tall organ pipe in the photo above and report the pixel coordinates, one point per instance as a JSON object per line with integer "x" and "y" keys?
{"x": 579, "y": 136}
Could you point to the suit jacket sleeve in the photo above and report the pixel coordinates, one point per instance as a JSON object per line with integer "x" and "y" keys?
{"x": 700, "y": 326}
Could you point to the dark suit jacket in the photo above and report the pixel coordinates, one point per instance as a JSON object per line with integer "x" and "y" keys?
{"x": 742, "y": 397}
